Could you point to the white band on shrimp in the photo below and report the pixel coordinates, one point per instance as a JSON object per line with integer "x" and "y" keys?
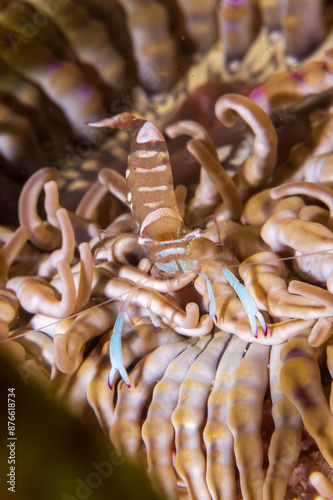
{"x": 158, "y": 214}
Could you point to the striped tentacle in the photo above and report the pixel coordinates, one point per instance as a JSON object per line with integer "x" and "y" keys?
{"x": 218, "y": 439}
{"x": 189, "y": 418}
{"x": 285, "y": 443}
{"x": 245, "y": 400}
{"x": 304, "y": 390}
{"x": 157, "y": 430}
{"x": 125, "y": 431}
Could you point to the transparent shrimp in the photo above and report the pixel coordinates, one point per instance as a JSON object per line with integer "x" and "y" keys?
{"x": 162, "y": 230}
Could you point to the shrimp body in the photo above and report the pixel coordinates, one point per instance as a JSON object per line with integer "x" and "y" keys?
{"x": 153, "y": 203}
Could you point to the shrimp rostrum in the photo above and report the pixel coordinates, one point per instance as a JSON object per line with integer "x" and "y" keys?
{"x": 153, "y": 203}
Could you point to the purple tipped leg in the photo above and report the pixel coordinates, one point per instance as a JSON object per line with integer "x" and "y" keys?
{"x": 212, "y": 304}
{"x": 116, "y": 356}
{"x": 248, "y": 302}
{"x": 153, "y": 318}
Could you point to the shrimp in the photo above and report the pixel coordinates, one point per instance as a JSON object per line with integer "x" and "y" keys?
{"x": 162, "y": 230}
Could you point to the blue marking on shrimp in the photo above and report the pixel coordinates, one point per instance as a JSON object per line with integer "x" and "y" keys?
{"x": 116, "y": 356}
{"x": 167, "y": 267}
{"x": 188, "y": 266}
{"x": 153, "y": 318}
{"x": 212, "y": 304}
{"x": 170, "y": 251}
{"x": 248, "y": 302}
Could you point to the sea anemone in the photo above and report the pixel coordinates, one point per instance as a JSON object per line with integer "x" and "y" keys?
{"x": 212, "y": 411}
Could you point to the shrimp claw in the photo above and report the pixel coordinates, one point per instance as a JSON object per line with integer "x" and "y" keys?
{"x": 248, "y": 302}
{"x": 212, "y": 304}
{"x": 116, "y": 356}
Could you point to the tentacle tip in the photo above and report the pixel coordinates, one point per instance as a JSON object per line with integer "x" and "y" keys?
{"x": 206, "y": 320}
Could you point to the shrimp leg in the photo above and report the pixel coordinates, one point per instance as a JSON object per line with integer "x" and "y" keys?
{"x": 212, "y": 305}
{"x": 116, "y": 355}
{"x": 248, "y": 302}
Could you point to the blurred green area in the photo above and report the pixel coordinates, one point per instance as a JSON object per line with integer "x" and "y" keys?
{"x": 56, "y": 457}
